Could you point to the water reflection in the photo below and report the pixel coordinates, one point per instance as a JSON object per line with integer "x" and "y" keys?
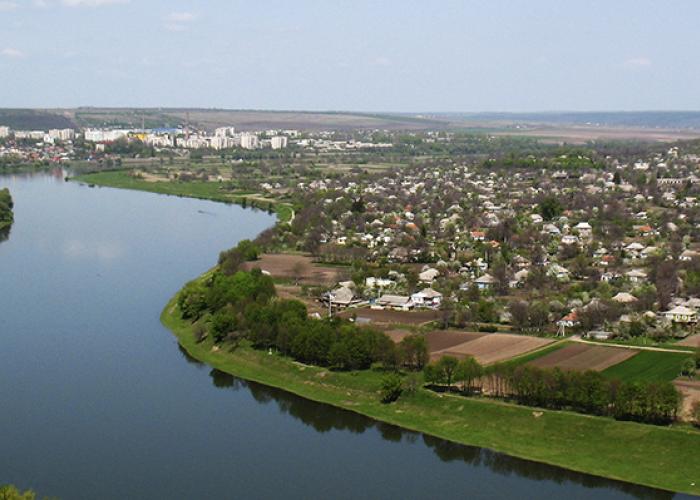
{"x": 325, "y": 418}
{"x": 5, "y": 233}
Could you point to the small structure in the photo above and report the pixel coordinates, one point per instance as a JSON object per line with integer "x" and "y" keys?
{"x": 624, "y": 298}
{"x": 599, "y": 334}
{"x": 398, "y": 302}
{"x": 485, "y": 282}
{"x": 340, "y": 298}
{"x": 681, "y": 314}
{"x": 427, "y": 298}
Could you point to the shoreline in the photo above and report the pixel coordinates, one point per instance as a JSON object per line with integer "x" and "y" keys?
{"x": 475, "y": 422}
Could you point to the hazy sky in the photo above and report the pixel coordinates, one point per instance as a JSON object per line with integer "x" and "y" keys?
{"x": 490, "y": 55}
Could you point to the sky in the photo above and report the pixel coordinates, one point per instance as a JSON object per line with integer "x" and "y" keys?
{"x": 393, "y": 56}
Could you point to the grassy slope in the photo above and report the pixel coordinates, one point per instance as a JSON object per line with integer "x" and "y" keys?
{"x": 193, "y": 189}
{"x": 654, "y": 456}
{"x": 649, "y": 366}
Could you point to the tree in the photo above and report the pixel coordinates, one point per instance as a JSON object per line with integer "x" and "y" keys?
{"x": 550, "y": 207}
{"x": 392, "y": 387}
{"x": 414, "y": 352}
{"x": 10, "y": 492}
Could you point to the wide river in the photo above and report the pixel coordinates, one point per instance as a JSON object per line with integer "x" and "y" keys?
{"x": 98, "y": 401}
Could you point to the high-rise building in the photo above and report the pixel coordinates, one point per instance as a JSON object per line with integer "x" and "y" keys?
{"x": 4, "y": 132}
{"x": 278, "y": 142}
{"x": 249, "y": 141}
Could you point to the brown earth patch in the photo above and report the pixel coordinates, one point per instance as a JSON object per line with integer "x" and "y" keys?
{"x": 444, "y": 339}
{"x": 494, "y": 347}
{"x": 582, "y": 357}
{"x": 691, "y": 395}
{"x": 692, "y": 341}
{"x": 387, "y": 316}
{"x": 292, "y": 267}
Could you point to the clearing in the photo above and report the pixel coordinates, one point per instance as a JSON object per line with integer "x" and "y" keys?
{"x": 299, "y": 268}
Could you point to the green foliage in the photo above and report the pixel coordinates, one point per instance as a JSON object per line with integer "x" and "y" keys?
{"x": 6, "y": 205}
{"x": 230, "y": 260}
{"x": 550, "y": 207}
{"x": 414, "y": 352}
{"x": 10, "y": 492}
{"x": 392, "y": 387}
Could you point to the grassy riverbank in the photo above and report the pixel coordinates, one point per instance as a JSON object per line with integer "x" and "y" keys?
{"x": 660, "y": 457}
{"x": 190, "y": 189}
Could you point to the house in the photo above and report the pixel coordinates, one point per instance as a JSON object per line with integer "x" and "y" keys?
{"x": 636, "y": 276}
{"x": 584, "y": 229}
{"x": 519, "y": 278}
{"x": 569, "y": 239}
{"x": 610, "y": 276}
{"x": 372, "y": 282}
{"x": 569, "y": 321}
{"x": 485, "y": 282}
{"x": 558, "y": 272}
{"x": 634, "y": 250}
{"x": 624, "y": 298}
{"x": 341, "y": 298}
{"x": 681, "y": 314}
{"x": 477, "y": 235}
{"x": 427, "y": 298}
{"x": 398, "y": 302}
{"x": 428, "y": 275}
{"x": 688, "y": 255}
{"x": 599, "y": 335}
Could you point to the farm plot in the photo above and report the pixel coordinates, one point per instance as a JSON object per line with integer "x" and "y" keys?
{"x": 444, "y": 339}
{"x": 692, "y": 341}
{"x": 584, "y": 357}
{"x": 691, "y": 395}
{"x": 494, "y": 347}
{"x": 387, "y": 316}
{"x": 649, "y": 366}
{"x": 295, "y": 267}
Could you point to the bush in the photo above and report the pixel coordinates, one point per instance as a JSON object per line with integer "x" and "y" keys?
{"x": 392, "y": 387}
{"x": 488, "y": 329}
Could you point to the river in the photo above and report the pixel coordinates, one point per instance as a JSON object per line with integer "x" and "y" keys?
{"x": 98, "y": 401}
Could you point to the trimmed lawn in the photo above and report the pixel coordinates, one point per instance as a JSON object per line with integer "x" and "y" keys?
{"x": 647, "y": 366}
{"x": 661, "y": 457}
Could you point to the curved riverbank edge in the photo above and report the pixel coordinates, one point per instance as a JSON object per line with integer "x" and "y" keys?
{"x": 658, "y": 457}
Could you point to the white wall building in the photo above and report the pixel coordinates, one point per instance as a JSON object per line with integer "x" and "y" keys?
{"x": 249, "y": 141}
{"x": 278, "y": 142}
{"x": 4, "y": 132}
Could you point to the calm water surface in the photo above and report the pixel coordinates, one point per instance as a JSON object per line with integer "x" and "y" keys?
{"x": 97, "y": 400}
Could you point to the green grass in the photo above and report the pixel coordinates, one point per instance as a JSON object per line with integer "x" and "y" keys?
{"x": 193, "y": 189}
{"x": 662, "y": 457}
{"x": 648, "y": 366}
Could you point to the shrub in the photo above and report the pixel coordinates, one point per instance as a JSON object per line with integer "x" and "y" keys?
{"x": 392, "y": 387}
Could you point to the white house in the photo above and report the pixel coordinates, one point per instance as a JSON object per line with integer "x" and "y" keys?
{"x": 427, "y": 298}
{"x": 681, "y": 314}
{"x": 485, "y": 282}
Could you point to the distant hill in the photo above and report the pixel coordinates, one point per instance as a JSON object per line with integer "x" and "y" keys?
{"x": 646, "y": 119}
{"x": 35, "y": 119}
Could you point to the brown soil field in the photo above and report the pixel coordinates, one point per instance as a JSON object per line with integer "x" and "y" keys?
{"x": 691, "y": 395}
{"x": 444, "y": 339}
{"x": 580, "y": 356}
{"x": 385, "y": 316}
{"x": 692, "y": 341}
{"x": 494, "y": 347}
{"x": 291, "y": 292}
{"x": 283, "y": 266}
{"x": 397, "y": 335}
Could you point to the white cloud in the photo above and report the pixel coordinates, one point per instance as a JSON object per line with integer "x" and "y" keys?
{"x": 12, "y": 53}
{"x": 91, "y": 3}
{"x": 381, "y": 61}
{"x": 179, "y": 21}
{"x": 637, "y": 62}
{"x": 8, "y": 6}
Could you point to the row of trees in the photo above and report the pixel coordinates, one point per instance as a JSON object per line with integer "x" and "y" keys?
{"x": 586, "y": 392}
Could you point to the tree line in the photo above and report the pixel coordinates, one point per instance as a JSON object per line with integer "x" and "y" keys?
{"x": 584, "y": 392}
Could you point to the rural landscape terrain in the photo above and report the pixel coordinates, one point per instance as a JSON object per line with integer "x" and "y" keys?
{"x": 543, "y": 277}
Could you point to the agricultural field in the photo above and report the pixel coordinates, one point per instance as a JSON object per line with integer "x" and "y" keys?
{"x": 494, "y": 347}
{"x": 692, "y": 341}
{"x": 391, "y": 317}
{"x": 648, "y": 366}
{"x": 300, "y": 268}
{"x": 578, "y": 356}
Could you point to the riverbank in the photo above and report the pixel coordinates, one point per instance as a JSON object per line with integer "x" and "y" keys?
{"x": 191, "y": 189}
{"x": 659, "y": 457}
